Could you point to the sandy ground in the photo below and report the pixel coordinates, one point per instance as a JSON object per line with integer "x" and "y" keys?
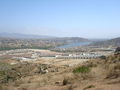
{"x": 60, "y": 62}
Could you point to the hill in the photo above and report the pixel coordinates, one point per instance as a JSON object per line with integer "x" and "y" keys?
{"x": 52, "y": 74}
{"x": 15, "y": 43}
{"x": 112, "y": 42}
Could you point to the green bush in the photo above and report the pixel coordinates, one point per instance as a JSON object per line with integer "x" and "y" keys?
{"x": 82, "y": 69}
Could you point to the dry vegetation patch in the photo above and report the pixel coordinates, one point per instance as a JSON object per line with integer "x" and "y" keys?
{"x": 36, "y": 76}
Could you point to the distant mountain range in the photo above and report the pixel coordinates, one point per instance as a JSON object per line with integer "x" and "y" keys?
{"x": 24, "y": 36}
{"x": 112, "y": 42}
{"x": 30, "y": 36}
{"x": 4, "y": 36}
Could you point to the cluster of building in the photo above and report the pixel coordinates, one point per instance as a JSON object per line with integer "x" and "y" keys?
{"x": 31, "y": 54}
{"x": 79, "y": 56}
{"x": 26, "y": 54}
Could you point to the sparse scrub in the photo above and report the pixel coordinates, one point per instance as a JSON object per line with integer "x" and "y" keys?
{"x": 88, "y": 87}
{"x": 18, "y": 82}
{"x": 113, "y": 66}
{"x": 113, "y": 71}
{"x": 6, "y": 74}
{"x": 1, "y": 88}
{"x": 70, "y": 87}
{"x": 92, "y": 63}
{"x": 65, "y": 81}
{"x": 32, "y": 78}
{"x": 82, "y": 73}
{"x": 82, "y": 69}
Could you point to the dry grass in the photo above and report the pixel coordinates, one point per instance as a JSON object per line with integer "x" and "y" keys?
{"x": 60, "y": 77}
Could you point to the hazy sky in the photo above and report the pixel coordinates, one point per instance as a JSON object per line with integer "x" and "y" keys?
{"x": 83, "y": 18}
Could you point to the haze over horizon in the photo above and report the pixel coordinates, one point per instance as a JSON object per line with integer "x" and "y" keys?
{"x": 63, "y": 18}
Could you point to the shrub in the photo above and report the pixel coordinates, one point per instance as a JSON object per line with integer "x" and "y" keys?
{"x": 82, "y": 69}
{"x": 88, "y": 87}
{"x": 65, "y": 81}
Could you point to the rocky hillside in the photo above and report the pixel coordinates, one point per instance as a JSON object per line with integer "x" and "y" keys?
{"x": 97, "y": 74}
{"x": 113, "y": 42}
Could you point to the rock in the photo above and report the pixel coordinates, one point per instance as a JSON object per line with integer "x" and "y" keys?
{"x": 58, "y": 82}
{"x": 41, "y": 69}
{"x": 117, "y": 51}
{"x": 65, "y": 82}
{"x": 44, "y": 71}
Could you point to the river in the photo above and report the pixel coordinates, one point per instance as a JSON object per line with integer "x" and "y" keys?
{"x": 74, "y": 45}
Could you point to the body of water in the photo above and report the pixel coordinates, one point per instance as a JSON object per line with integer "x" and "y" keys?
{"x": 74, "y": 45}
